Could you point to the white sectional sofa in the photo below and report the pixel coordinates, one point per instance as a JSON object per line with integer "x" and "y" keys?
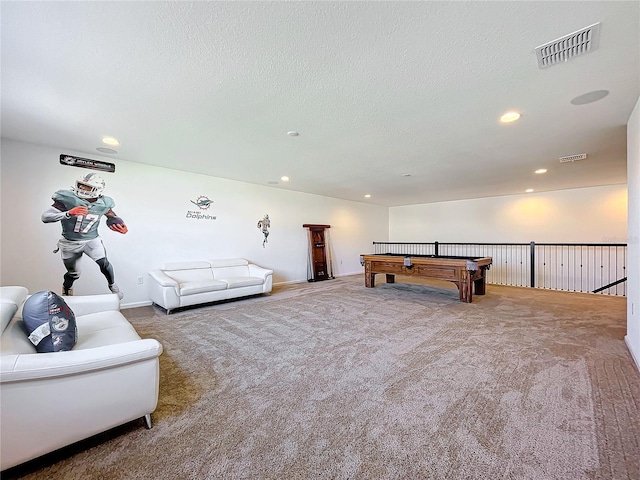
{"x": 50, "y": 400}
{"x": 183, "y": 284}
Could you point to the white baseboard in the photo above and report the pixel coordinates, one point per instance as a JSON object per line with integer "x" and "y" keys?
{"x": 293, "y": 282}
{"x": 124, "y": 306}
{"x": 290, "y": 282}
{"x": 633, "y": 354}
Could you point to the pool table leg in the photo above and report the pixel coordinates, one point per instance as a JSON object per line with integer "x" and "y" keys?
{"x": 369, "y": 278}
{"x": 391, "y": 278}
{"x": 465, "y": 286}
{"x": 466, "y": 291}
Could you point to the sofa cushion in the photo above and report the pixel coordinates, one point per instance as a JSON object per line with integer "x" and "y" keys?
{"x": 7, "y": 311}
{"x": 14, "y": 340}
{"x": 196, "y": 274}
{"x": 13, "y": 294}
{"x": 191, "y": 288}
{"x": 229, "y": 262}
{"x": 49, "y": 322}
{"x": 11, "y": 298}
{"x": 223, "y": 273}
{"x": 104, "y": 328}
{"x": 235, "y": 282}
{"x": 167, "y": 267}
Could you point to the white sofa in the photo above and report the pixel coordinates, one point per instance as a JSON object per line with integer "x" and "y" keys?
{"x": 182, "y": 284}
{"x": 50, "y": 400}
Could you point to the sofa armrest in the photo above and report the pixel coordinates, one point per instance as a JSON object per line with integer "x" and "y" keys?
{"x": 256, "y": 271}
{"x": 86, "y": 304}
{"x": 163, "y": 279}
{"x": 164, "y": 290}
{"x": 33, "y": 366}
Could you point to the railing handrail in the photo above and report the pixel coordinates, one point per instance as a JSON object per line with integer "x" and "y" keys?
{"x": 502, "y": 243}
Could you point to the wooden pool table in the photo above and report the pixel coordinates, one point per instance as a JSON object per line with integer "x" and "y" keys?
{"x": 466, "y": 272}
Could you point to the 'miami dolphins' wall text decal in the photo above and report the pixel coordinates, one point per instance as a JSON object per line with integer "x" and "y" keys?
{"x": 203, "y": 203}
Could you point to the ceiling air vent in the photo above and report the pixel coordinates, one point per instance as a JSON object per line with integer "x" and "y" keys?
{"x": 565, "y": 48}
{"x": 573, "y": 158}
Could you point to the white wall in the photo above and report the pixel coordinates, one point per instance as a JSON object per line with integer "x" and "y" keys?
{"x": 584, "y": 215}
{"x": 153, "y": 202}
{"x": 633, "y": 289}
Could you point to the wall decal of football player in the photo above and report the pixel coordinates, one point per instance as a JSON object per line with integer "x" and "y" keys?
{"x": 264, "y": 225}
{"x": 79, "y": 210}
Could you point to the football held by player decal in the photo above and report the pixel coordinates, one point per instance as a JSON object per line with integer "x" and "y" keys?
{"x": 79, "y": 211}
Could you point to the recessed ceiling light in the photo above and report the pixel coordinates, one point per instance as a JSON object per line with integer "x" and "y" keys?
{"x": 509, "y": 117}
{"x": 406, "y": 174}
{"x": 293, "y": 133}
{"x": 529, "y": 190}
{"x": 106, "y": 150}
{"x": 541, "y": 170}
{"x": 284, "y": 178}
{"x": 368, "y": 195}
{"x": 114, "y": 142}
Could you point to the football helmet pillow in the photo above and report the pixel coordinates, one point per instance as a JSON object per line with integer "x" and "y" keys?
{"x": 49, "y": 322}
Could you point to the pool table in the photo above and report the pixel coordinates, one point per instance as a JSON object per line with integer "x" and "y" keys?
{"x": 468, "y": 273}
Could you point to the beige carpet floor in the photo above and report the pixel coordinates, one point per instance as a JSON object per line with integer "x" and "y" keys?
{"x": 332, "y": 380}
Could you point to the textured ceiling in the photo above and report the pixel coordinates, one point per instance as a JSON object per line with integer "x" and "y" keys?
{"x": 375, "y": 89}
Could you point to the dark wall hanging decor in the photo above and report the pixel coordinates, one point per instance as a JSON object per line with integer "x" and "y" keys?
{"x": 319, "y": 265}
{"x": 72, "y": 161}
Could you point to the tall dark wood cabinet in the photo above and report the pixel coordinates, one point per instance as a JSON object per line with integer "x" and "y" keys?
{"x": 319, "y": 265}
